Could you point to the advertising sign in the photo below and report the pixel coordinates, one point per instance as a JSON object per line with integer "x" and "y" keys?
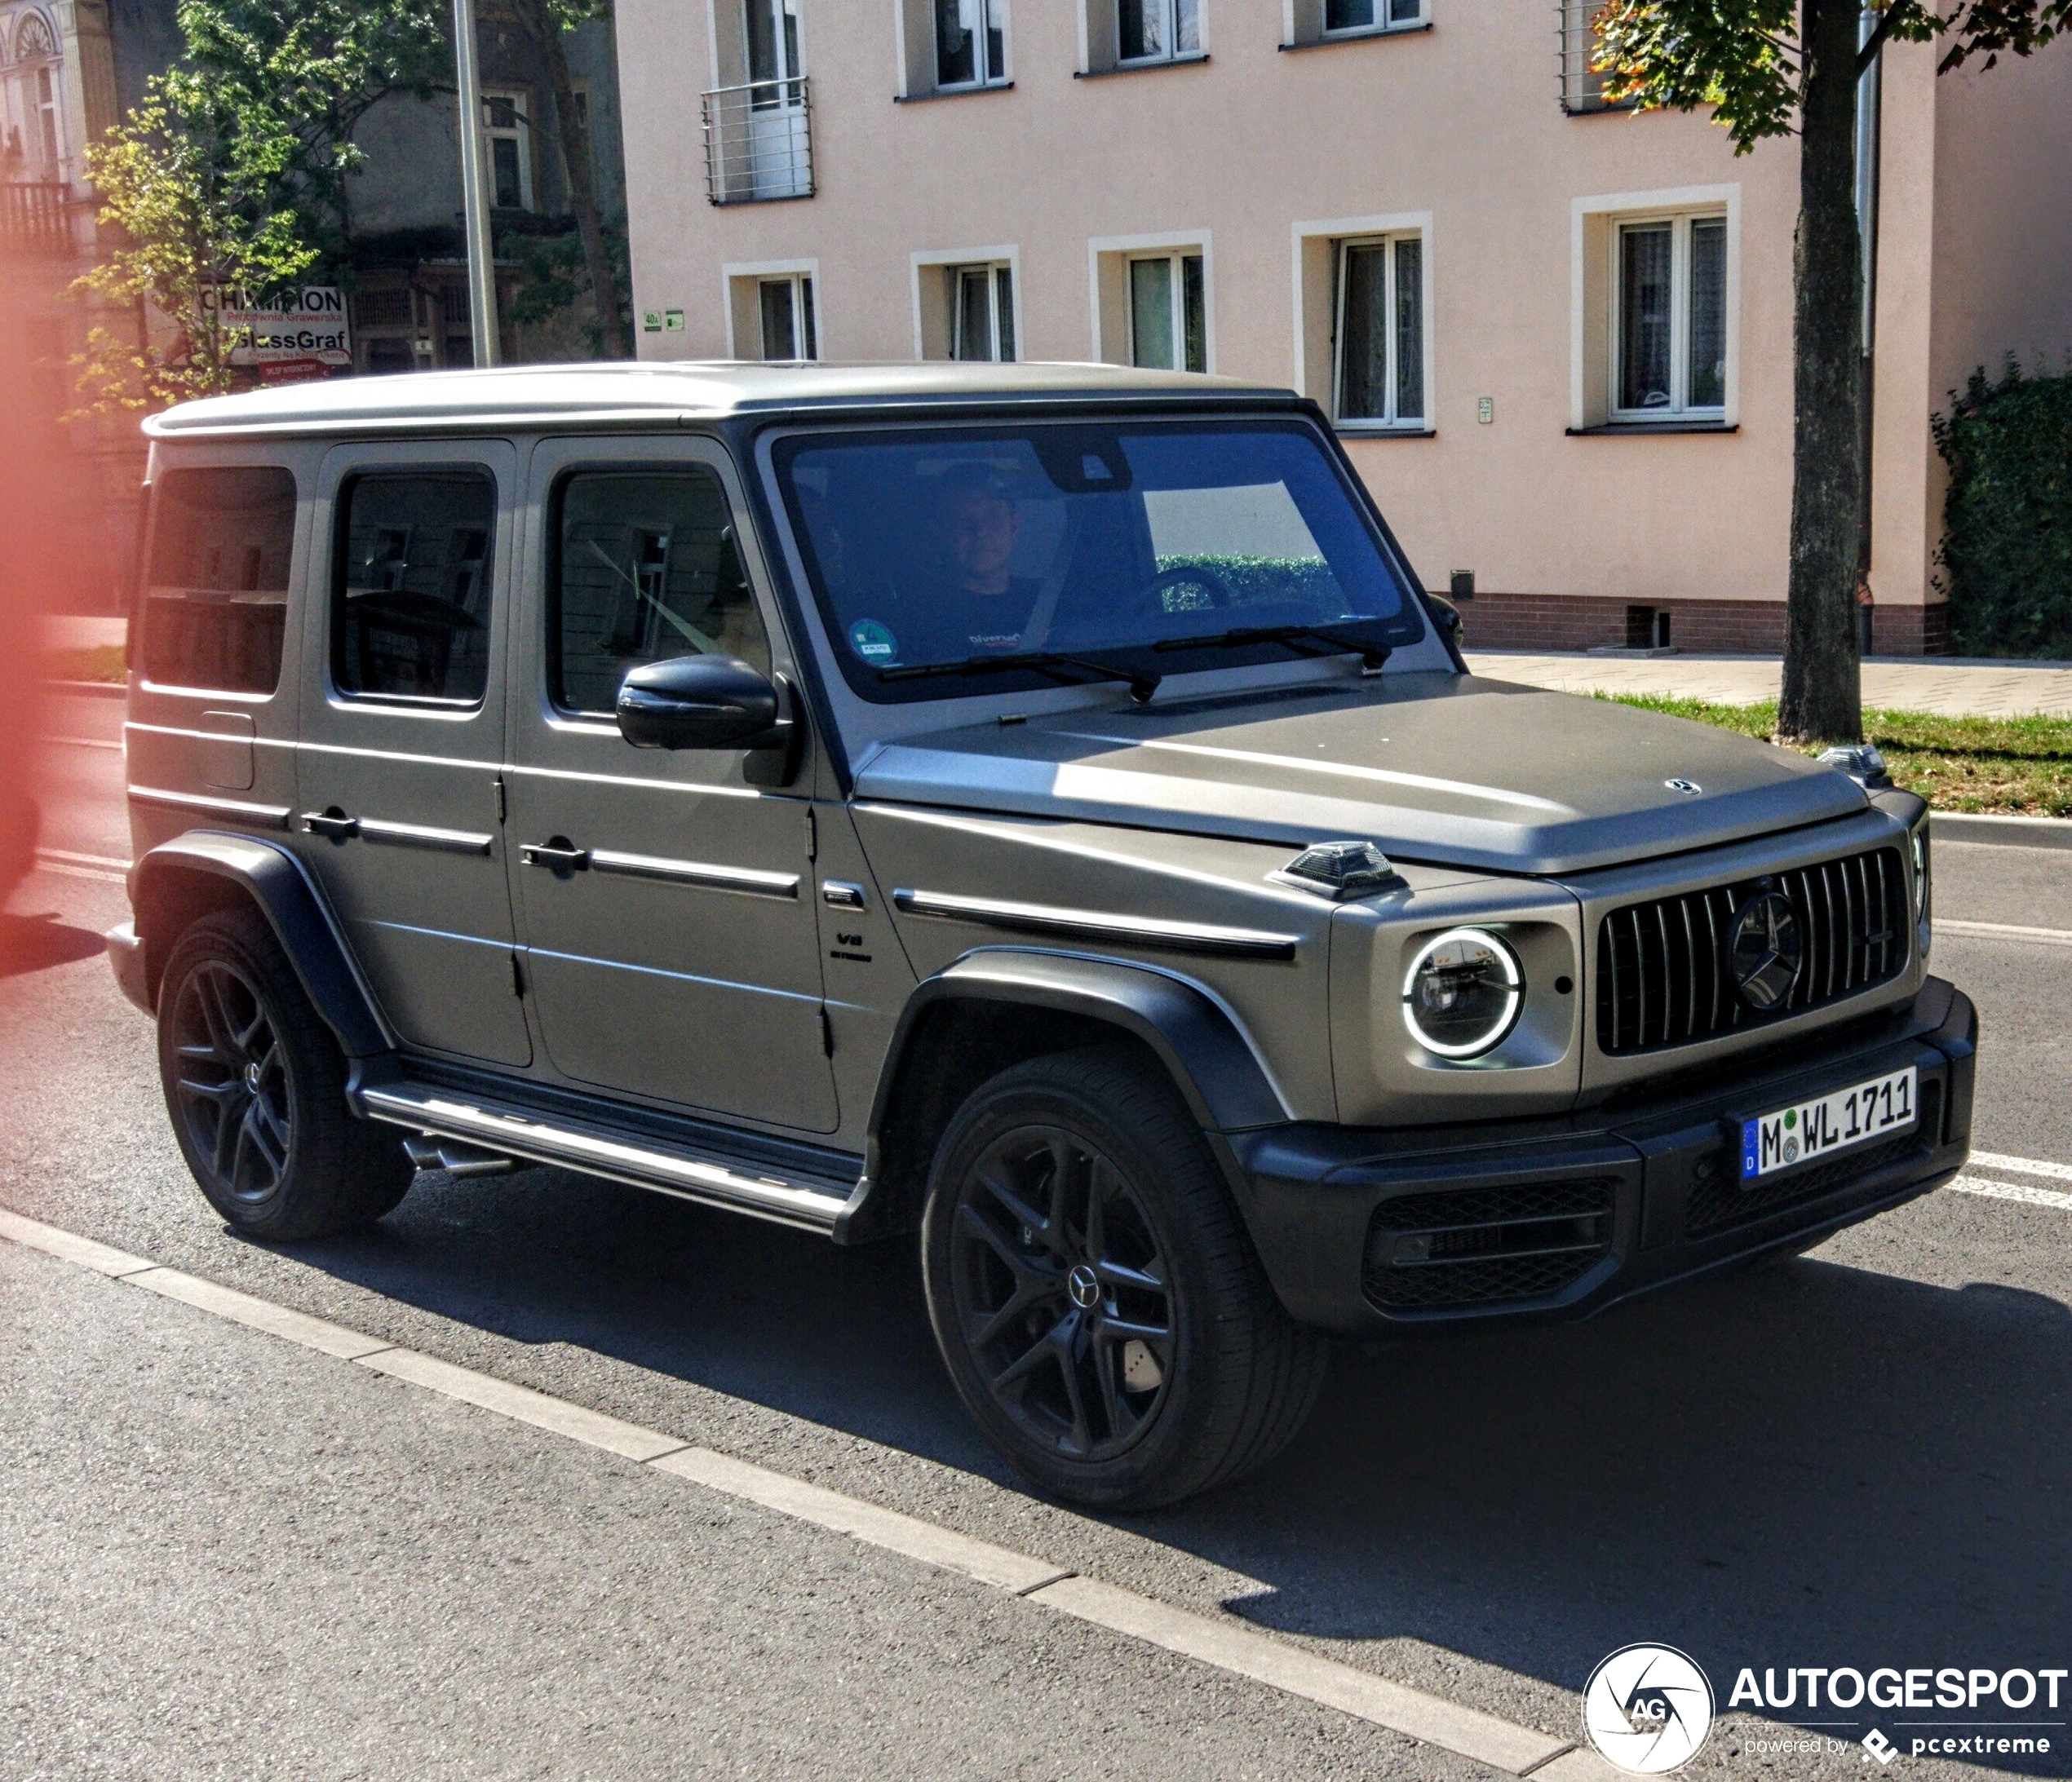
{"x": 300, "y": 333}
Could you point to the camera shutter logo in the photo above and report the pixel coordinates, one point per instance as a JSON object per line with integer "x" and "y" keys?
{"x": 1647, "y": 1710}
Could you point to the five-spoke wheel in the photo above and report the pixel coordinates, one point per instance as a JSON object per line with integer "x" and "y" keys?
{"x": 231, "y": 1083}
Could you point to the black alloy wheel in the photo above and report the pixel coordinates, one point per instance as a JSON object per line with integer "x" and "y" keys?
{"x": 1062, "y": 1290}
{"x": 1093, "y": 1291}
{"x": 254, "y": 1083}
{"x": 231, "y": 1081}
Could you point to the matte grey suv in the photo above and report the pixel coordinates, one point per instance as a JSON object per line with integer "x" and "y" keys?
{"x": 1032, "y": 807}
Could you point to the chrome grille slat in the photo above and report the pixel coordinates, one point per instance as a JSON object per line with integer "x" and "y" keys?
{"x": 1851, "y": 918}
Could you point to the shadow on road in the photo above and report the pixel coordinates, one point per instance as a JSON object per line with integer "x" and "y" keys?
{"x": 1806, "y": 1464}
{"x": 37, "y": 942}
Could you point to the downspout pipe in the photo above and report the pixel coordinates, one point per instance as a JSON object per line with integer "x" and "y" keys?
{"x": 481, "y": 269}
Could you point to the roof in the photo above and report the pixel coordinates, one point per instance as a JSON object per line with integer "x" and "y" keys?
{"x": 603, "y": 394}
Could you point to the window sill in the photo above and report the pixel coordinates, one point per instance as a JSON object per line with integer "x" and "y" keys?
{"x": 1612, "y": 427}
{"x": 1375, "y": 429}
{"x": 1362, "y": 36}
{"x": 1140, "y": 68}
{"x": 953, "y": 92}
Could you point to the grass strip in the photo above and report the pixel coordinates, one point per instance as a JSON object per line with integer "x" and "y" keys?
{"x": 2015, "y": 766}
{"x": 96, "y": 662}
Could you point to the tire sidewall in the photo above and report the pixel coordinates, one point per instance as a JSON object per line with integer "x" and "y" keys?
{"x": 1159, "y": 1463}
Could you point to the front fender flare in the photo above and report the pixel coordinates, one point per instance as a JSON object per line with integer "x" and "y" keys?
{"x": 275, "y": 882}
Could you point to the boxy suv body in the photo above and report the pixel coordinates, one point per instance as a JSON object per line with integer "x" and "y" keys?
{"x": 1035, "y": 808}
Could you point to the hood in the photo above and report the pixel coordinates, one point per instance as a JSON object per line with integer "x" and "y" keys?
{"x": 1452, "y": 770}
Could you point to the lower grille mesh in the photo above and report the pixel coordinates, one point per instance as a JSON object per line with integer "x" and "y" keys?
{"x": 1479, "y": 1246}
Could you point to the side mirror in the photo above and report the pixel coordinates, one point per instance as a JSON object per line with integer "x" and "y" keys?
{"x": 1447, "y": 614}
{"x": 697, "y": 702}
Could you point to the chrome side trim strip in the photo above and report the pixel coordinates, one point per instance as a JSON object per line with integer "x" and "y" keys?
{"x": 1092, "y": 925}
{"x": 426, "y": 1110}
{"x": 731, "y": 878}
{"x": 373, "y": 829}
{"x": 272, "y": 817}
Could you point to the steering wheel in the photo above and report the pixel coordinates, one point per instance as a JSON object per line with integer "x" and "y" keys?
{"x": 1184, "y": 575}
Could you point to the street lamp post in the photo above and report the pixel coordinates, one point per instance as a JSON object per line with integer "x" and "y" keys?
{"x": 482, "y": 271}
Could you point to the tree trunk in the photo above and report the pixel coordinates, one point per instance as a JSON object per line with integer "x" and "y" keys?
{"x": 1821, "y": 696}
{"x": 581, "y": 181}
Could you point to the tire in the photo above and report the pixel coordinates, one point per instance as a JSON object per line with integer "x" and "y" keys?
{"x": 255, "y": 1085}
{"x": 1121, "y": 1361}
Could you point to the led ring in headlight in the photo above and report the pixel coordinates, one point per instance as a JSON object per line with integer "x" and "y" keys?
{"x": 1462, "y": 993}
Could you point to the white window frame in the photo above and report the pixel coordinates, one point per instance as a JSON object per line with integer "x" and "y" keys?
{"x": 1173, "y": 52}
{"x": 1680, "y": 406}
{"x": 1108, "y": 287}
{"x": 520, "y": 134}
{"x": 931, "y": 271}
{"x": 1594, "y": 319}
{"x": 1389, "y": 422}
{"x": 987, "y": 76}
{"x": 740, "y": 288}
{"x": 1420, "y": 18}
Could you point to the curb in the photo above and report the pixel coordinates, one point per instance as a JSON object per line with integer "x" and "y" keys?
{"x": 2001, "y": 831}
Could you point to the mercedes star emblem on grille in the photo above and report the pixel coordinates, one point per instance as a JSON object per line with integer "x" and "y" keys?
{"x": 1765, "y": 947}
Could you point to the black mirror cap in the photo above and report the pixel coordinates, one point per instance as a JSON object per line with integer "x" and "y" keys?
{"x": 699, "y": 702}
{"x": 1449, "y": 614}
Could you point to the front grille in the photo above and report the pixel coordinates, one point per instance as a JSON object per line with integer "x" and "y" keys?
{"x": 1473, "y": 1246}
{"x": 1717, "y": 1200}
{"x": 1661, "y": 972}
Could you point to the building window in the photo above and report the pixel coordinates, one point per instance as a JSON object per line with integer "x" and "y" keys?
{"x": 1669, "y": 349}
{"x": 1362, "y": 15}
{"x": 1380, "y": 332}
{"x": 1168, "y": 312}
{"x": 982, "y": 311}
{"x": 1582, "y": 87}
{"x": 506, "y": 118}
{"x": 970, "y": 42}
{"x": 1158, "y": 30}
{"x": 784, "y": 310}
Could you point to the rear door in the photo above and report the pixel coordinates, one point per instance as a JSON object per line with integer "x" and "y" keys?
{"x": 402, "y": 734}
{"x": 671, "y": 947}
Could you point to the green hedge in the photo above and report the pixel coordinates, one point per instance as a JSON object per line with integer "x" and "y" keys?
{"x": 1255, "y": 581}
{"x": 2007, "y": 541}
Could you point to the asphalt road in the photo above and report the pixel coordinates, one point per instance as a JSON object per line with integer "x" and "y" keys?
{"x": 219, "y": 1554}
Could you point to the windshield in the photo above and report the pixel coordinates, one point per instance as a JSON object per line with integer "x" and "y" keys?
{"x": 1115, "y": 545}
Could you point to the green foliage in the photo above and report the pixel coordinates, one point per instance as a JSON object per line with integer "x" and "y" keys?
{"x": 553, "y": 275}
{"x": 192, "y": 198}
{"x": 1253, "y": 581}
{"x": 1746, "y": 58}
{"x": 2007, "y": 541}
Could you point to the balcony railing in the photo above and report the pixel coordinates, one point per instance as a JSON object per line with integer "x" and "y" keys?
{"x": 36, "y": 219}
{"x": 757, "y": 141}
{"x": 1582, "y": 87}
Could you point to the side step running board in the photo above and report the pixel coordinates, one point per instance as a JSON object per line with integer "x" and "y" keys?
{"x": 597, "y": 1149}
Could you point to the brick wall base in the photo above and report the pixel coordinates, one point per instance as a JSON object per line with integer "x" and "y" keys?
{"x": 1561, "y": 621}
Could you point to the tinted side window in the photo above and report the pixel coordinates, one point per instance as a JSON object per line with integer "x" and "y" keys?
{"x": 410, "y": 618}
{"x": 648, "y": 569}
{"x": 215, "y": 603}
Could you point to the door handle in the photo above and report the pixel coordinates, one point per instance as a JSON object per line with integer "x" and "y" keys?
{"x": 333, "y": 822}
{"x": 559, "y": 856}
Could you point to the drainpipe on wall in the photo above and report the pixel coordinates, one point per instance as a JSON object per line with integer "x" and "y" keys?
{"x": 1868, "y": 114}
{"x": 481, "y": 270}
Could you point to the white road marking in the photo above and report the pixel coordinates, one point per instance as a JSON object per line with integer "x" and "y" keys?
{"x": 2002, "y": 931}
{"x": 64, "y": 856}
{"x": 2051, "y": 1172}
{"x": 81, "y": 742}
{"x": 1228, "y": 1646}
{"x": 2009, "y": 1190}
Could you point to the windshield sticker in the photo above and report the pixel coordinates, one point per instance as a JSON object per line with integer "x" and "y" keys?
{"x": 874, "y": 643}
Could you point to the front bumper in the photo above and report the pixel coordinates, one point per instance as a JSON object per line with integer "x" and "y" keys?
{"x": 126, "y": 956}
{"x": 1363, "y": 1231}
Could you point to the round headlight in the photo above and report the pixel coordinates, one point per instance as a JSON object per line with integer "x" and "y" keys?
{"x": 1462, "y": 993}
{"x": 1920, "y": 873}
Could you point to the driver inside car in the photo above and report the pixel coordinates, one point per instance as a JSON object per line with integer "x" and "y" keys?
{"x": 987, "y": 608}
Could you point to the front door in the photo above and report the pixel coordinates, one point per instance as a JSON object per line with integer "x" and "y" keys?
{"x": 671, "y": 944}
{"x": 779, "y": 164}
{"x": 402, "y": 734}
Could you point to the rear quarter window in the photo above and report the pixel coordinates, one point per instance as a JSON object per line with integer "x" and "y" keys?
{"x": 215, "y": 597}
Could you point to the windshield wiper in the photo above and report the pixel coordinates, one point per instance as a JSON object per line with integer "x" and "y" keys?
{"x": 1372, "y": 656}
{"x": 1142, "y": 685}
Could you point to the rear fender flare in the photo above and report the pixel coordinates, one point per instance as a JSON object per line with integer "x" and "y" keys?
{"x": 275, "y": 883}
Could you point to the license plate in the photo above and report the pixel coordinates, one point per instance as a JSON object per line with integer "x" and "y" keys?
{"x": 1817, "y": 1129}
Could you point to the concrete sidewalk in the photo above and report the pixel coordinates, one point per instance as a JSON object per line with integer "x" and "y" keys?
{"x": 1949, "y": 686}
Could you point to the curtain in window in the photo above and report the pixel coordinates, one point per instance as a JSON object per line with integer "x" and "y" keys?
{"x": 1409, "y": 329}
{"x": 1363, "y": 335}
{"x": 1644, "y": 331}
{"x": 956, "y": 42}
{"x": 1196, "y": 322}
{"x": 1708, "y": 367}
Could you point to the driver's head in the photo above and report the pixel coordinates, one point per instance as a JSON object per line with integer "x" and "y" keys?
{"x": 981, "y": 527}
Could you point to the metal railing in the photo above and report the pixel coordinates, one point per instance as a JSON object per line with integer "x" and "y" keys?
{"x": 1582, "y": 87}
{"x": 36, "y": 219}
{"x": 757, "y": 141}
